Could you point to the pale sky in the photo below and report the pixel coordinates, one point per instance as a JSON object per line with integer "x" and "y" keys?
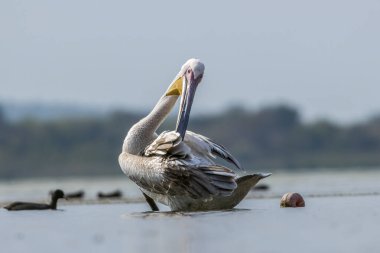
{"x": 321, "y": 56}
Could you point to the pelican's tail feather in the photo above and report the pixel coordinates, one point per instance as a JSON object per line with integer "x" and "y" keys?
{"x": 244, "y": 185}
{"x": 251, "y": 180}
{"x": 221, "y": 178}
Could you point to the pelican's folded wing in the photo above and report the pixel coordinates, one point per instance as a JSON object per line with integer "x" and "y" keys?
{"x": 196, "y": 145}
{"x": 175, "y": 167}
{"x": 205, "y": 146}
{"x": 174, "y": 178}
{"x": 198, "y": 182}
{"x": 167, "y": 144}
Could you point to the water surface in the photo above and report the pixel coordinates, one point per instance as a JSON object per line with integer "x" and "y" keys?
{"x": 342, "y": 214}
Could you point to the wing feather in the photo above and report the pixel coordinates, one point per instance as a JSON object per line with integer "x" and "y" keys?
{"x": 180, "y": 167}
{"x": 196, "y": 182}
{"x": 170, "y": 144}
{"x": 206, "y": 146}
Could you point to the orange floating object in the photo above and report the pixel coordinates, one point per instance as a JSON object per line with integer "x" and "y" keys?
{"x": 292, "y": 199}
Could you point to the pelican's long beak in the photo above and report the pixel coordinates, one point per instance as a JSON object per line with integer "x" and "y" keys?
{"x": 188, "y": 92}
{"x": 175, "y": 88}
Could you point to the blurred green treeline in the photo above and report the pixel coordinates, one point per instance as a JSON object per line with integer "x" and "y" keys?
{"x": 267, "y": 140}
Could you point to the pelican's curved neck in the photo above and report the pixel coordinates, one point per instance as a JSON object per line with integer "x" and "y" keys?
{"x": 159, "y": 113}
{"x": 143, "y": 132}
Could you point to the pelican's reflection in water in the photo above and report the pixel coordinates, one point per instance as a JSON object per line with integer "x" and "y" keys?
{"x": 171, "y": 214}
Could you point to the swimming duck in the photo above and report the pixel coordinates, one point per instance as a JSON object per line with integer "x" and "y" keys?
{"x": 18, "y": 206}
{"x": 75, "y": 195}
{"x": 114, "y": 194}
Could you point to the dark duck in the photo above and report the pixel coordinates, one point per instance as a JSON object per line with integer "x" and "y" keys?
{"x": 75, "y": 195}
{"x": 114, "y": 194}
{"x": 18, "y": 206}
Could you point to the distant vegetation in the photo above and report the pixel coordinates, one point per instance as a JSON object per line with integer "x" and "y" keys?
{"x": 267, "y": 140}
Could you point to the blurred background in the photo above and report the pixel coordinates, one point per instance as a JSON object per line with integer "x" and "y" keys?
{"x": 289, "y": 85}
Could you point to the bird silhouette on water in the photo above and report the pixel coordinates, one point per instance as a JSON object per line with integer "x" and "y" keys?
{"x": 75, "y": 195}
{"x": 114, "y": 194}
{"x": 18, "y": 206}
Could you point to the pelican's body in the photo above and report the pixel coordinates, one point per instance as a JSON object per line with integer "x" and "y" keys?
{"x": 177, "y": 168}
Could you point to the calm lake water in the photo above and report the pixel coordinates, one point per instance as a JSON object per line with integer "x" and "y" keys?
{"x": 342, "y": 214}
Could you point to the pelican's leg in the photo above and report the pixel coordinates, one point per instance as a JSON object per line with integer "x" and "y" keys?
{"x": 151, "y": 202}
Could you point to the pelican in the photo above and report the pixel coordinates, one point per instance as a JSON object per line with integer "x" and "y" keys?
{"x": 178, "y": 168}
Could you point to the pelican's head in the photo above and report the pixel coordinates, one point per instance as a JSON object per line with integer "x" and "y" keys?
{"x": 185, "y": 84}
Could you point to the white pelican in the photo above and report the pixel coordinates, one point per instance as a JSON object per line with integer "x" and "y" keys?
{"x": 177, "y": 168}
